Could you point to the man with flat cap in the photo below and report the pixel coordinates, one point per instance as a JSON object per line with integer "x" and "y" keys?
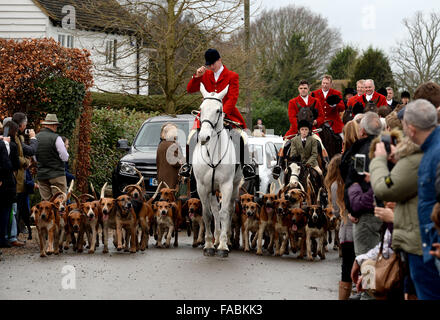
{"x": 51, "y": 155}
{"x": 215, "y": 77}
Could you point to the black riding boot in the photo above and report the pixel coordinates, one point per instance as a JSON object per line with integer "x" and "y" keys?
{"x": 185, "y": 170}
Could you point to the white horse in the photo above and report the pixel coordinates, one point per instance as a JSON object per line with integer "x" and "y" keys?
{"x": 214, "y": 166}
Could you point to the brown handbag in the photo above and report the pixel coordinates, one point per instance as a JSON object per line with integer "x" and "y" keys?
{"x": 389, "y": 272}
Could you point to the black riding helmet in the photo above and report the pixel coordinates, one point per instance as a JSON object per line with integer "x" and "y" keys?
{"x": 304, "y": 123}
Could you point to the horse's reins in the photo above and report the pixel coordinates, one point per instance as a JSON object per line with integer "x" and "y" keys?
{"x": 213, "y": 126}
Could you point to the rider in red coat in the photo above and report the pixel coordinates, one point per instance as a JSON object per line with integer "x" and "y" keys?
{"x": 331, "y": 112}
{"x": 226, "y": 77}
{"x": 216, "y": 77}
{"x": 372, "y": 96}
{"x": 301, "y": 101}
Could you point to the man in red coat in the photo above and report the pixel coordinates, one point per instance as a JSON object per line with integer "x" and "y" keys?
{"x": 216, "y": 77}
{"x": 371, "y": 95}
{"x": 303, "y": 100}
{"x": 360, "y": 91}
{"x": 331, "y": 111}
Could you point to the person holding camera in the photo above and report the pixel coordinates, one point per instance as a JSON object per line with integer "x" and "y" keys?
{"x": 393, "y": 172}
{"x": 25, "y": 151}
{"x": 420, "y": 125}
{"x": 358, "y": 195}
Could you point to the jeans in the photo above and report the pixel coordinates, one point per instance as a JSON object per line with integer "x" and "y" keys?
{"x": 23, "y": 210}
{"x": 437, "y": 265}
{"x": 425, "y": 276}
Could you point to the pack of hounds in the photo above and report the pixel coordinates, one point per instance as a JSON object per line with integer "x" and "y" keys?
{"x": 295, "y": 219}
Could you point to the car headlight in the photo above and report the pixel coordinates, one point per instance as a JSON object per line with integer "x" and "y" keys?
{"x": 127, "y": 168}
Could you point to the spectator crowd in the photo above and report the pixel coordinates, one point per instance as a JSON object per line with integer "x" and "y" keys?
{"x": 22, "y": 152}
{"x": 386, "y": 187}
{"x": 385, "y": 184}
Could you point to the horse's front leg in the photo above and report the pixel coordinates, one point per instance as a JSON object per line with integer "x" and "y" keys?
{"x": 228, "y": 205}
{"x": 208, "y": 249}
{"x": 217, "y": 226}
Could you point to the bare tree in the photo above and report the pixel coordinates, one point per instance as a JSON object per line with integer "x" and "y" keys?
{"x": 271, "y": 32}
{"x": 417, "y": 59}
{"x": 175, "y": 33}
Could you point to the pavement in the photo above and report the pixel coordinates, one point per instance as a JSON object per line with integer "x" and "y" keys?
{"x": 165, "y": 274}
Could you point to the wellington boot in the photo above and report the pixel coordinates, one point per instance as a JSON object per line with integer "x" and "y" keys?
{"x": 344, "y": 290}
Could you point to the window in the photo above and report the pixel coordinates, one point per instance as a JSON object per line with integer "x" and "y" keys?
{"x": 110, "y": 52}
{"x": 149, "y": 135}
{"x": 65, "y": 40}
{"x": 271, "y": 154}
{"x": 256, "y": 153}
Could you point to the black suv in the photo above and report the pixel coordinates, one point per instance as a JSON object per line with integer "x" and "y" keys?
{"x": 142, "y": 154}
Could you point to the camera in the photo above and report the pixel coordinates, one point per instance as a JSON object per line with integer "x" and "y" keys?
{"x": 388, "y": 140}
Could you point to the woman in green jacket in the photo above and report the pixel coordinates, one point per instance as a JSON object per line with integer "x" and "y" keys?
{"x": 399, "y": 185}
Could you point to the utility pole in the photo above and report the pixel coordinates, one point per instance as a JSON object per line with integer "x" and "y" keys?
{"x": 248, "y": 63}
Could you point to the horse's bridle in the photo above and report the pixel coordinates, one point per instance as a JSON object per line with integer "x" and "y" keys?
{"x": 213, "y": 126}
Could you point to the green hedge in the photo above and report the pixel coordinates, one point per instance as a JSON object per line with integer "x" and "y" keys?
{"x": 273, "y": 113}
{"x": 150, "y": 103}
{"x": 66, "y": 101}
{"x": 109, "y": 125}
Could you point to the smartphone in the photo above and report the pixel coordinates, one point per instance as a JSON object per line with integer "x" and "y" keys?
{"x": 359, "y": 163}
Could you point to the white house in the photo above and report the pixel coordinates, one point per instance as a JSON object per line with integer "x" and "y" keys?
{"x": 117, "y": 56}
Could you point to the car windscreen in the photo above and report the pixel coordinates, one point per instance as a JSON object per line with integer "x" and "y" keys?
{"x": 149, "y": 135}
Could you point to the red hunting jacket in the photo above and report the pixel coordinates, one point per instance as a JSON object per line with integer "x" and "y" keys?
{"x": 227, "y": 77}
{"x": 352, "y": 101}
{"x": 378, "y": 99}
{"x": 331, "y": 114}
{"x": 293, "y": 111}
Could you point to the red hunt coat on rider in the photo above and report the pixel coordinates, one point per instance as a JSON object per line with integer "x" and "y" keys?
{"x": 293, "y": 111}
{"x": 227, "y": 77}
{"x": 331, "y": 114}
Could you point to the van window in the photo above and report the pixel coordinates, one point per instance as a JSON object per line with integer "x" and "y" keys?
{"x": 271, "y": 153}
{"x": 256, "y": 152}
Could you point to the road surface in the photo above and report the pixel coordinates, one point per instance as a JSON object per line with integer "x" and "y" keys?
{"x": 171, "y": 274}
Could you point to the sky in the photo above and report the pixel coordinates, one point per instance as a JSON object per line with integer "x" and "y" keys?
{"x": 363, "y": 23}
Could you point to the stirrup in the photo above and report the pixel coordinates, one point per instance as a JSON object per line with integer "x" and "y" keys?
{"x": 276, "y": 172}
{"x": 185, "y": 171}
{"x": 248, "y": 172}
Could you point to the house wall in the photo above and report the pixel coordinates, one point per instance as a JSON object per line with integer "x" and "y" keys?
{"x": 107, "y": 77}
{"x": 23, "y": 19}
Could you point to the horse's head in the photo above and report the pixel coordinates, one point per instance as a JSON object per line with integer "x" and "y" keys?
{"x": 211, "y": 113}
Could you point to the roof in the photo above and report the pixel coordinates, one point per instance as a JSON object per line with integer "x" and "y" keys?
{"x": 179, "y": 117}
{"x": 92, "y": 15}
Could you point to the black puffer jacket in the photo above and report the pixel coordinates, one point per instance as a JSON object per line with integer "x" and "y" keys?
{"x": 348, "y": 171}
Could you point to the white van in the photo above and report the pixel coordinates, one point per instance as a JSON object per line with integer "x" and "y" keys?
{"x": 263, "y": 151}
